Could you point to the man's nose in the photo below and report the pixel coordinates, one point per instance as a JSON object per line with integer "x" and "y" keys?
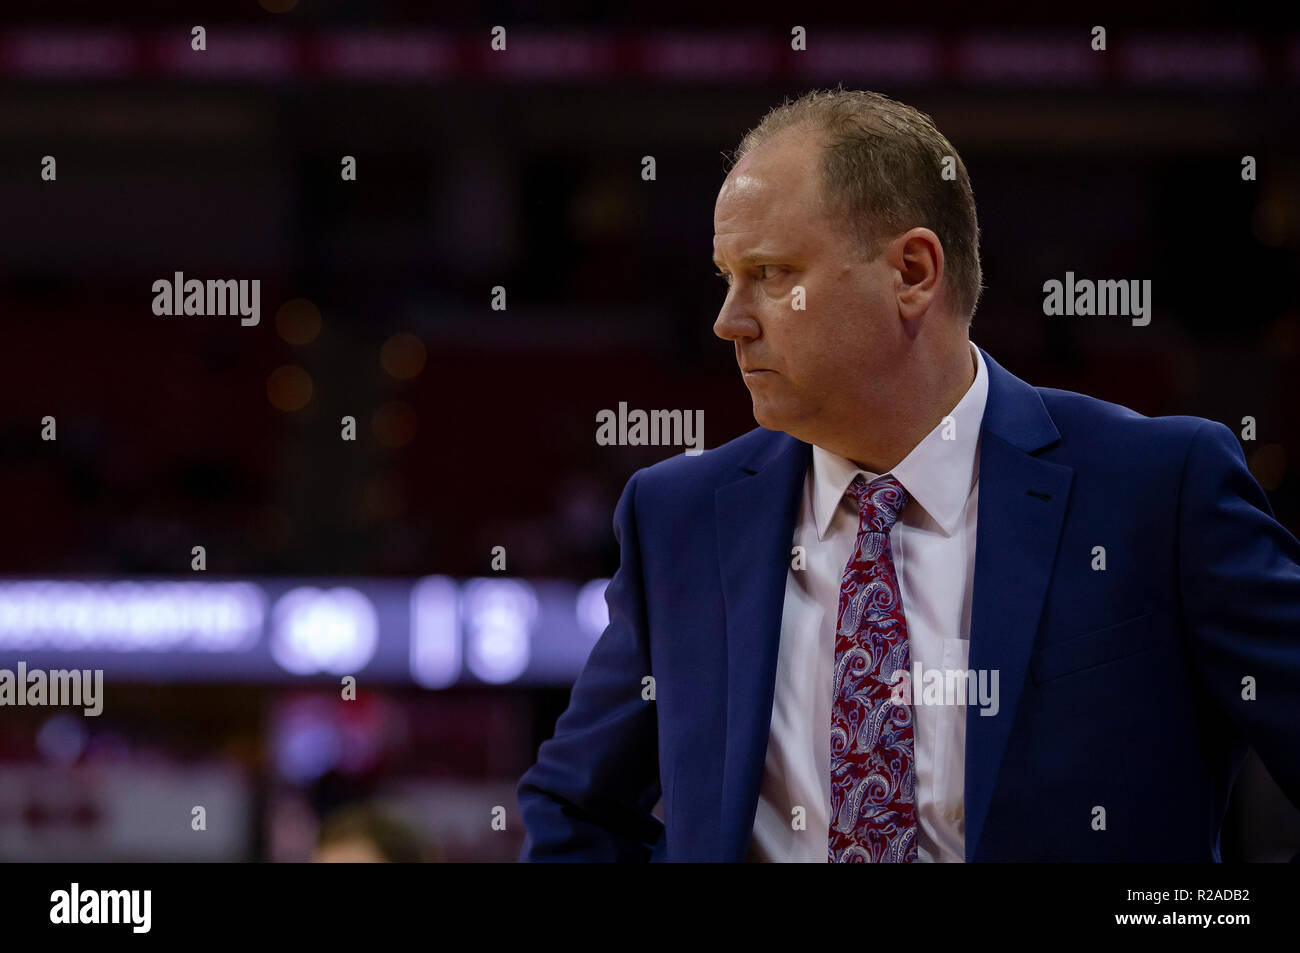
{"x": 735, "y": 322}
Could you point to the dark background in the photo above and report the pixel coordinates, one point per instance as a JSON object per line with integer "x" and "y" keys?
{"x": 523, "y": 170}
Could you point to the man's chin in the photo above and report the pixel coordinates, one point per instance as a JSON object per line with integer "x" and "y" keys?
{"x": 772, "y": 417}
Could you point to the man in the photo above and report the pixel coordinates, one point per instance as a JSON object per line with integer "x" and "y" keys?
{"x": 1123, "y": 606}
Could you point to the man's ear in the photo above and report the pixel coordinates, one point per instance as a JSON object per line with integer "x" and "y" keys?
{"x": 916, "y": 257}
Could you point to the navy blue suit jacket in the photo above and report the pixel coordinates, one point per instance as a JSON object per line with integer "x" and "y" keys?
{"x": 1120, "y": 688}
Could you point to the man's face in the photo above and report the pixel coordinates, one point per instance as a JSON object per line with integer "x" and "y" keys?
{"x": 803, "y": 368}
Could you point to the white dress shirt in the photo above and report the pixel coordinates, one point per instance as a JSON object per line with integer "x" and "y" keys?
{"x": 933, "y": 545}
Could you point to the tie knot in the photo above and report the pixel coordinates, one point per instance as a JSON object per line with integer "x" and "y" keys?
{"x": 879, "y": 502}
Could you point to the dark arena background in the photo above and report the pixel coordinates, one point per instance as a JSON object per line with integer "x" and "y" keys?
{"x": 340, "y": 558}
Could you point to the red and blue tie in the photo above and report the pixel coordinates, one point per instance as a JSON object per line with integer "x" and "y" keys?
{"x": 873, "y": 777}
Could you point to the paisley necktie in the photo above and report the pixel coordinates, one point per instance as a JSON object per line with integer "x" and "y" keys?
{"x": 873, "y": 777}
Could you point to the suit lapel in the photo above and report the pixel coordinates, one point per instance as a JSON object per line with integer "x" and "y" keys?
{"x": 1022, "y": 504}
{"x": 755, "y": 519}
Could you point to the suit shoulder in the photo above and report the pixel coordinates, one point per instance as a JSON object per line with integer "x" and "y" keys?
{"x": 711, "y": 468}
{"x": 1080, "y": 415}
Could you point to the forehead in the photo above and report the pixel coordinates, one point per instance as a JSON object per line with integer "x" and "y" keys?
{"x": 773, "y": 192}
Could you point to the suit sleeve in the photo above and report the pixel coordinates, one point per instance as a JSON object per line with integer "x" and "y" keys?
{"x": 590, "y": 795}
{"x": 1239, "y": 573}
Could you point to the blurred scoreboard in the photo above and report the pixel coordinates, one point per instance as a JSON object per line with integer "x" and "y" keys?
{"x": 435, "y": 631}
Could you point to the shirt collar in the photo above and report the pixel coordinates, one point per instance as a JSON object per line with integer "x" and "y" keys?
{"x": 938, "y": 474}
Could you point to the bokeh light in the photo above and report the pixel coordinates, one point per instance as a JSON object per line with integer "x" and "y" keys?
{"x": 298, "y": 321}
{"x": 1268, "y": 465}
{"x": 395, "y": 424}
{"x": 288, "y": 388}
{"x": 403, "y": 355}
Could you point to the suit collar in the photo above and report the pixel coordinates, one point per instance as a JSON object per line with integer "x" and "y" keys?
{"x": 755, "y": 518}
{"x": 1015, "y": 410}
{"x": 1022, "y": 506}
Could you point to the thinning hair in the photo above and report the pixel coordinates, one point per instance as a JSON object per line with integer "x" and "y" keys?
{"x": 883, "y": 166}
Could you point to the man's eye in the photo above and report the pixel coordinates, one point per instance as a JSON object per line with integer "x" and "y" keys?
{"x": 762, "y": 273}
